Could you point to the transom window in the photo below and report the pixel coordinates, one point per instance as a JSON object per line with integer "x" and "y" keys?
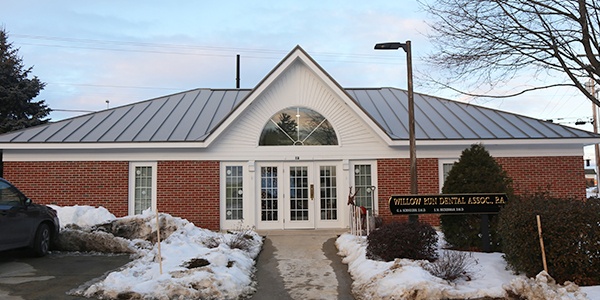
{"x": 297, "y": 126}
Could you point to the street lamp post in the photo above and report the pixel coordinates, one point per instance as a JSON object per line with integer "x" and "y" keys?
{"x": 411, "y": 114}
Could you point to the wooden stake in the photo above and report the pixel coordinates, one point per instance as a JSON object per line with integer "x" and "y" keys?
{"x": 539, "y": 224}
{"x": 158, "y": 239}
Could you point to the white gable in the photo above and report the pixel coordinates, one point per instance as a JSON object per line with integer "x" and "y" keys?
{"x": 299, "y": 85}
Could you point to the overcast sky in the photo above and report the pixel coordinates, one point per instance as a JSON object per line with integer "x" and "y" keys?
{"x": 89, "y": 52}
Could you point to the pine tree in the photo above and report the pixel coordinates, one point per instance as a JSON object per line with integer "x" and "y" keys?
{"x": 475, "y": 172}
{"x": 17, "y": 108}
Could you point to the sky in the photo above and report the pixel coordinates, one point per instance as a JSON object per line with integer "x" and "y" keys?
{"x": 91, "y": 52}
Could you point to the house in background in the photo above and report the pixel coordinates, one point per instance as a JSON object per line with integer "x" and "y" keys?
{"x": 283, "y": 155}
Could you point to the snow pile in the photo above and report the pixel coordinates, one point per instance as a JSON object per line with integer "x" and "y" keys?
{"x": 544, "y": 287}
{"x": 82, "y": 215}
{"x": 196, "y": 263}
{"x": 408, "y": 279}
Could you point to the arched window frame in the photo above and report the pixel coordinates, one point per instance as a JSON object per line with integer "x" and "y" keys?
{"x": 298, "y": 126}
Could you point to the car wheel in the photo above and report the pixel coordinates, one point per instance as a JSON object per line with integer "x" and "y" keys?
{"x": 41, "y": 245}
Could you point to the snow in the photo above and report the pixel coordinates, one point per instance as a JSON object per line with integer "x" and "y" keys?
{"x": 409, "y": 279}
{"x": 229, "y": 272}
{"x": 226, "y": 272}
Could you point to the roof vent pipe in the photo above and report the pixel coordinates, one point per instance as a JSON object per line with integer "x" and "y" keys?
{"x": 237, "y": 72}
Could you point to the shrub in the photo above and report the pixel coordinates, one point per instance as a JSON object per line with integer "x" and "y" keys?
{"x": 412, "y": 240}
{"x": 571, "y": 233}
{"x": 475, "y": 172}
{"x": 453, "y": 265}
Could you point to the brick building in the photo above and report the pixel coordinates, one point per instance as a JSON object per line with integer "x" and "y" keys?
{"x": 282, "y": 155}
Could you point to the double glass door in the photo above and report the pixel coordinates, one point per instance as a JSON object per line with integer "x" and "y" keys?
{"x": 299, "y": 195}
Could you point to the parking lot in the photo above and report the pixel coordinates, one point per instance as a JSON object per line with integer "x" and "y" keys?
{"x": 28, "y": 278}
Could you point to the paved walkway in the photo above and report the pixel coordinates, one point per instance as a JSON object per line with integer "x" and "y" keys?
{"x": 301, "y": 264}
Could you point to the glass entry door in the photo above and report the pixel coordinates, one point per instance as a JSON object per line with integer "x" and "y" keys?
{"x": 299, "y": 195}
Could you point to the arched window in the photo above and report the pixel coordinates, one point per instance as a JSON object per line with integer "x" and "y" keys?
{"x": 297, "y": 126}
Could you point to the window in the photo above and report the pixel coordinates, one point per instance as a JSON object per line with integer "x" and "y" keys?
{"x": 328, "y": 192}
{"x": 363, "y": 186}
{"x": 297, "y": 126}
{"x": 445, "y": 165}
{"x": 142, "y": 187}
{"x": 269, "y": 194}
{"x": 234, "y": 193}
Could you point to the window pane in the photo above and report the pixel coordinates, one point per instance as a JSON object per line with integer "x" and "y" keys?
{"x": 363, "y": 186}
{"x": 297, "y": 126}
{"x": 234, "y": 193}
{"x": 299, "y": 193}
{"x": 142, "y": 189}
{"x": 328, "y": 193}
{"x": 269, "y": 194}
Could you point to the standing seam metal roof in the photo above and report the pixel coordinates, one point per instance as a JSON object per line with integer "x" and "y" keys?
{"x": 193, "y": 115}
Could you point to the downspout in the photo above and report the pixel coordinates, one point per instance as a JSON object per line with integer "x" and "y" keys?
{"x": 1, "y": 165}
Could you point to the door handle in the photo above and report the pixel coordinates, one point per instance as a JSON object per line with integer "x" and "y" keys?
{"x": 312, "y": 191}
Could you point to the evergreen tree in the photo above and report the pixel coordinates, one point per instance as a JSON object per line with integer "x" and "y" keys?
{"x": 475, "y": 172}
{"x": 17, "y": 110}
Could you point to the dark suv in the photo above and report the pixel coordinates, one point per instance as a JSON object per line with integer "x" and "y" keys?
{"x": 23, "y": 223}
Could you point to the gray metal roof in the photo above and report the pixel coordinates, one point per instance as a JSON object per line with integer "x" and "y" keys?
{"x": 443, "y": 119}
{"x": 193, "y": 115}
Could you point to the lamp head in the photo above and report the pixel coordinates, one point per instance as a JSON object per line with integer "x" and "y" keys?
{"x": 391, "y": 46}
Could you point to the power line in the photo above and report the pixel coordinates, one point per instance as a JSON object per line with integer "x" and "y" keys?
{"x": 121, "y": 46}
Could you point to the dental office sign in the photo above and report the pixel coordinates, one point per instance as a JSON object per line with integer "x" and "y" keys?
{"x": 447, "y": 204}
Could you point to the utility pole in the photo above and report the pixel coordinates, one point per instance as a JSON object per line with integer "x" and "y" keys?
{"x": 592, "y": 90}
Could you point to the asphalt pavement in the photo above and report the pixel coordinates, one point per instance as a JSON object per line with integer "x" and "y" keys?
{"x": 50, "y": 278}
{"x": 293, "y": 264}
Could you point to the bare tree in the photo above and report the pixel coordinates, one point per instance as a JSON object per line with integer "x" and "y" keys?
{"x": 490, "y": 42}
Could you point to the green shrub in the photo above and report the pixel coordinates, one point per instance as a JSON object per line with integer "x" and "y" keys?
{"x": 571, "y": 233}
{"x": 412, "y": 240}
{"x": 475, "y": 172}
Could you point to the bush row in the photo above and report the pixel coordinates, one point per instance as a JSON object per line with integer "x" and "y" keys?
{"x": 570, "y": 231}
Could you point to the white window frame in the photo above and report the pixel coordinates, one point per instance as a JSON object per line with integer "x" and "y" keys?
{"x": 132, "y": 166}
{"x": 374, "y": 180}
{"x": 224, "y": 189}
{"x": 246, "y": 207}
{"x": 441, "y": 163}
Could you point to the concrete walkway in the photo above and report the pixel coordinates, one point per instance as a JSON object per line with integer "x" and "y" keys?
{"x": 301, "y": 264}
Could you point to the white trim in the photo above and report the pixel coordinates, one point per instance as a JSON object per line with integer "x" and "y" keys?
{"x": 203, "y": 145}
{"x": 374, "y": 180}
{"x": 257, "y": 196}
{"x": 248, "y": 195}
{"x": 341, "y": 190}
{"x": 131, "y": 196}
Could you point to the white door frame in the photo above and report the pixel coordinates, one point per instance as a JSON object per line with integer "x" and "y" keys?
{"x": 279, "y": 193}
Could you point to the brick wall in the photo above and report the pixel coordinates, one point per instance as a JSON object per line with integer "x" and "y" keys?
{"x": 561, "y": 176}
{"x": 68, "y": 183}
{"x": 186, "y": 189}
{"x": 394, "y": 178}
{"x": 190, "y": 190}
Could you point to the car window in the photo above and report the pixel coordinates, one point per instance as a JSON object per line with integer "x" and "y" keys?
{"x": 9, "y": 195}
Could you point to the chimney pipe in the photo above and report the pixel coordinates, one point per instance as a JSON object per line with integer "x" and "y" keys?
{"x": 237, "y": 72}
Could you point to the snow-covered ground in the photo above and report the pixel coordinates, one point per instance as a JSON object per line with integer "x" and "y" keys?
{"x": 409, "y": 279}
{"x": 196, "y": 263}
{"x": 185, "y": 248}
